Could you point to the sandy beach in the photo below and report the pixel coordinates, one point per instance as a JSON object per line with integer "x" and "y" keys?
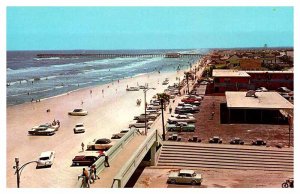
{"x": 108, "y": 113}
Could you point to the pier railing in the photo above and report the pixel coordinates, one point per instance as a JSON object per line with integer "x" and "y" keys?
{"x": 153, "y": 139}
{"x": 115, "y": 149}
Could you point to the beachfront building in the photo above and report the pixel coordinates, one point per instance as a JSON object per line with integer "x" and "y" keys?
{"x": 230, "y": 80}
{"x": 235, "y": 80}
{"x": 255, "y": 107}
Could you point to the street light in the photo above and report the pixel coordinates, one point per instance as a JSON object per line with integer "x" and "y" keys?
{"x": 145, "y": 92}
{"x": 19, "y": 170}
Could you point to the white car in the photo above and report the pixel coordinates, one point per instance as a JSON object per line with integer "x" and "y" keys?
{"x": 261, "y": 89}
{"x": 182, "y": 118}
{"x": 46, "y": 159}
{"x": 140, "y": 125}
{"x": 78, "y": 112}
{"x": 79, "y": 128}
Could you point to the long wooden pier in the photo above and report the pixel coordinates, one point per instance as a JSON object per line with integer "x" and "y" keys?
{"x": 124, "y": 55}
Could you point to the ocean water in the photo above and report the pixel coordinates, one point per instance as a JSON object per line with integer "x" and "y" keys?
{"x": 30, "y": 77}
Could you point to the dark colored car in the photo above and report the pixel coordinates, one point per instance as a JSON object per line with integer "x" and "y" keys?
{"x": 237, "y": 140}
{"x": 283, "y": 89}
{"x": 215, "y": 139}
{"x": 85, "y": 160}
{"x": 259, "y": 142}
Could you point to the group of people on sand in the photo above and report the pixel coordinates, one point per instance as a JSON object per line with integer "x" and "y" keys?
{"x": 56, "y": 122}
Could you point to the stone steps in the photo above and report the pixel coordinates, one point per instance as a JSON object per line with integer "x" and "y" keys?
{"x": 198, "y": 155}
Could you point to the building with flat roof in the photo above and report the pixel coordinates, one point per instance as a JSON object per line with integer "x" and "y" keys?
{"x": 255, "y": 107}
{"x": 235, "y": 80}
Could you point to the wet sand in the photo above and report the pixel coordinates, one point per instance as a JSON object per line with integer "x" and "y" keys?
{"x": 108, "y": 113}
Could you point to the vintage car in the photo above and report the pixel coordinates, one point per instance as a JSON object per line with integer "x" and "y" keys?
{"x": 181, "y": 126}
{"x": 148, "y": 117}
{"x": 143, "y": 87}
{"x": 166, "y": 82}
{"x": 237, "y": 140}
{"x": 140, "y": 124}
{"x": 133, "y": 89}
{"x": 215, "y": 139}
{"x": 86, "y": 159}
{"x": 78, "y": 112}
{"x": 259, "y": 142}
{"x": 283, "y": 90}
{"x": 181, "y": 118}
{"x": 119, "y": 135}
{"x": 150, "y": 111}
{"x": 187, "y": 114}
{"x": 79, "y": 128}
{"x": 185, "y": 177}
{"x": 261, "y": 89}
{"x": 45, "y": 159}
{"x": 100, "y": 144}
{"x": 197, "y": 97}
{"x": 42, "y": 130}
{"x": 194, "y": 107}
{"x": 184, "y": 110}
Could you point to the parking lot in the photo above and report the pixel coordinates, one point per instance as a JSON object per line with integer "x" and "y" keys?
{"x": 208, "y": 125}
{"x": 153, "y": 177}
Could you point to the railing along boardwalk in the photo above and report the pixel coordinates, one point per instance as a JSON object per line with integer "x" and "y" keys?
{"x": 124, "y": 158}
{"x": 152, "y": 140}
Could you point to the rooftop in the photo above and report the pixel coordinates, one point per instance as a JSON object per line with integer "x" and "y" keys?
{"x": 264, "y": 100}
{"x": 229, "y": 73}
{"x": 290, "y": 71}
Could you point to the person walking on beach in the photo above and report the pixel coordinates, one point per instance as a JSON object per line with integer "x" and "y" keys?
{"x": 85, "y": 173}
{"x": 92, "y": 175}
{"x": 95, "y": 172}
{"x": 82, "y": 146}
{"x": 170, "y": 109}
{"x": 106, "y": 164}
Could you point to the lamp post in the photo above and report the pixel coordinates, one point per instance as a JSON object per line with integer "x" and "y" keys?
{"x": 19, "y": 169}
{"x": 145, "y": 93}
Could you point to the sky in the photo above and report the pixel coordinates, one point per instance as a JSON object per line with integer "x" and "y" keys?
{"x": 69, "y": 28}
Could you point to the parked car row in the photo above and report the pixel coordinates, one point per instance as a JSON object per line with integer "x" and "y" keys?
{"x": 236, "y": 141}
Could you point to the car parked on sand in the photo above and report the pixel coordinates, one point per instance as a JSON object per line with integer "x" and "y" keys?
{"x": 237, "y": 140}
{"x": 85, "y": 159}
{"x": 140, "y": 124}
{"x": 133, "y": 89}
{"x": 215, "y": 139}
{"x": 79, "y": 128}
{"x": 42, "y": 130}
{"x": 148, "y": 116}
{"x": 100, "y": 144}
{"x": 185, "y": 177}
{"x": 259, "y": 142}
{"x": 78, "y": 112}
{"x": 181, "y": 126}
{"x": 46, "y": 159}
{"x": 119, "y": 135}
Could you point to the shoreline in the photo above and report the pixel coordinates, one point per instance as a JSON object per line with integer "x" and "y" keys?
{"x": 94, "y": 86}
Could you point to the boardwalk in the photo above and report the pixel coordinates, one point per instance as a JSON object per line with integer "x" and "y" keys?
{"x": 108, "y": 174}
